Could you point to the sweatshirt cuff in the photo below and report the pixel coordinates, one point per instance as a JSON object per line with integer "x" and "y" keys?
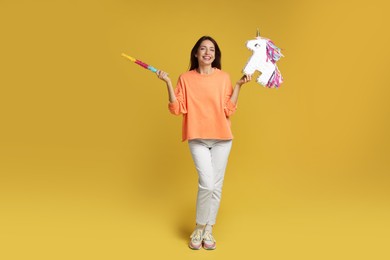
{"x": 172, "y": 106}
{"x": 230, "y": 105}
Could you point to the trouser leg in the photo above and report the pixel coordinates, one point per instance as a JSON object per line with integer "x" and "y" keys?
{"x": 219, "y": 158}
{"x": 210, "y": 158}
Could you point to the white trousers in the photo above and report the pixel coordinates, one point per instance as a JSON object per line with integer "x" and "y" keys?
{"x": 210, "y": 157}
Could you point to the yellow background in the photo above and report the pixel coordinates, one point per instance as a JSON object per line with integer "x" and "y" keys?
{"x": 91, "y": 162}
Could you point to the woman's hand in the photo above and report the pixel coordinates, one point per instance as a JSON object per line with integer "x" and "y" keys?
{"x": 244, "y": 79}
{"x": 163, "y": 76}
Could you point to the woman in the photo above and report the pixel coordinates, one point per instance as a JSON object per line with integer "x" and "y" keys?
{"x": 205, "y": 97}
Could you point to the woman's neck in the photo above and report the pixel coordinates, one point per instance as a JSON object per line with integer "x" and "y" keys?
{"x": 205, "y": 69}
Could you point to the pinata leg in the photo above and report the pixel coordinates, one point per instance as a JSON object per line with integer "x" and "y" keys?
{"x": 266, "y": 73}
{"x": 263, "y": 78}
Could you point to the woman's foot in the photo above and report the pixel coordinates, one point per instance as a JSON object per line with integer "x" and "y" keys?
{"x": 209, "y": 242}
{"x": 196, "y": 239}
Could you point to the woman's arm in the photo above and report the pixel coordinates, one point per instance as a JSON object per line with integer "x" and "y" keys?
{"x": 177, "y": 102}
{"x": 164, "y": 76}
{"x": 244, "y": 79}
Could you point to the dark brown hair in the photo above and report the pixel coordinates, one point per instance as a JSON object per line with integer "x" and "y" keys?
{"x": 194, "y": 64}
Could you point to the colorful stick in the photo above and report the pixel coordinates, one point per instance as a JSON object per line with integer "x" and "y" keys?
{"x": 142, "y": 64}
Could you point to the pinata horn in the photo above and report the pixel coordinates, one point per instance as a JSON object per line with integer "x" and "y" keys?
{"x": 258, "y": 33}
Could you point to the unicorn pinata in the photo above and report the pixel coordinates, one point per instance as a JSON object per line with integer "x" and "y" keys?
{"x": 264, "y": 58}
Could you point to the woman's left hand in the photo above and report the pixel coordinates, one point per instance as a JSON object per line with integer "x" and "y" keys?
{"x": 244, "y": 79}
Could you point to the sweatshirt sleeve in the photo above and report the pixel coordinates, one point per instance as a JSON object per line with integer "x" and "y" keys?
{"x": 180, "y": 105}
{"x": 229, "y": 107}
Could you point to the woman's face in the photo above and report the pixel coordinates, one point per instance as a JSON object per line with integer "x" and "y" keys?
{"x": 206, "y": 53}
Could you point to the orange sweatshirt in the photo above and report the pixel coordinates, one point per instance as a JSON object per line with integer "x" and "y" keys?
{"x": 204, "y": 101}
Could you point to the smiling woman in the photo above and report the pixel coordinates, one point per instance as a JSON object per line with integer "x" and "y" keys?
{"x": 206, "y": 52}
{"x": 89, "y": 165}
{"x": 205, "y": 97}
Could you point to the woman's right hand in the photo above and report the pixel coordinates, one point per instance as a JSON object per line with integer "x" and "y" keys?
{"x": 163, "y": 76}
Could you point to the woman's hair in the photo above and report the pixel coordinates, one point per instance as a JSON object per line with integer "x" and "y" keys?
{"x": 194, "y": 64}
